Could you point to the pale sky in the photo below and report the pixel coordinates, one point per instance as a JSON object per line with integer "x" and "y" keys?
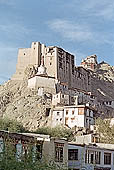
{"x": 82, "y": 27}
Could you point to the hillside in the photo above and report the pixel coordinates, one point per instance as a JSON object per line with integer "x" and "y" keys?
{"x": 20, "y": 103}
{"x": 103, "y": 81}
{"x": 103, "y": 86}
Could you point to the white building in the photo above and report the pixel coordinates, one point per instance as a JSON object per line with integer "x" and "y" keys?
{"x": 73, "y": 116}
{"x": 60, "y": 99}
{"x": 80, "y": 116}
{"x": 57, "y": 116}
{"x": 90, "y": 157}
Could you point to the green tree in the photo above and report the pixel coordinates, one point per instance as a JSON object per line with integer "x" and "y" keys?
{"x": 8, "y": 162}
{"x": 105, "y": 130}
{"x": 57, "y": 131}
{"x": 11, "y": 125}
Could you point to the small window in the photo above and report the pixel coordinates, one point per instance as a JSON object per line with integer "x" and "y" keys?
{"x": 72, "y": 120}
{"x": 66, "y": 112}
{"x": 48, "y": 111}
{"x": 24, "y": 53}
{"x": 62, "y": 95}
{"x": 110, "y": 103}
{"x": 60, "y": 119}
{"x": 50, "y": 63}
{"x": 57, "y": 113}
{"x": 72, "y": 112}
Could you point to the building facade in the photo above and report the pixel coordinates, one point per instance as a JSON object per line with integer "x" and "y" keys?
{"x": 90, "y": 157}
{"x": 59, "y": 64}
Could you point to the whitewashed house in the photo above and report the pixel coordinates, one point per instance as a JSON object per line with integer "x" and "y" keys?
{"x": 80, "y": 116}
{"x": 90, "y": 157}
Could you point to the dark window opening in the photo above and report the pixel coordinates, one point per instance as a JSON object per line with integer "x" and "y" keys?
{"x": 57, "y": 113}
{"x": 107, "y": 158}
{"x": 92, "y": 158}
{"x": 73, "y": 154}
{"x": 39, "y": 151}
{"x": 48, "y": 111}
{"x": 72, "y": 112}
{"x": 59, "y": 152}
{"x": 66, "y": 112}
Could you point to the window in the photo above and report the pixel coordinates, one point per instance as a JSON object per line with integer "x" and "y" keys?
{"x": 93, "y": 157}
{"x": 72, "y": 120}
{"x": 72, "y": 154}
{"x": 66, "y": 112}
{"x": 110, "y": 103}
{"x": 48, "y": 111}
{"x": 59, "y": 152}
{"x": 57, "y": 113}
{"x": 72, "y": 112}
{"x": 39, "y": 151}
{"x": 97, "y": 157}
{"x": 107, "y": 158}
{"x": 66, "y": 120}
{"x": 80, "y": 111}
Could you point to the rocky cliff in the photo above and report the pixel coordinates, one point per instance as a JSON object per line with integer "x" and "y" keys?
{"x": 20, "y": 103}
{"x": 103, "y": 86}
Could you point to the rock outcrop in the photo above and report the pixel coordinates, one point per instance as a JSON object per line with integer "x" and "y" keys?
{"x": 23, "y": 104}
{"x": 103, "y": 86}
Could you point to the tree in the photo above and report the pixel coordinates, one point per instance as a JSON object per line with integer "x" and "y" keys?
{"x": 57, "y": 131}
{"x": 8, "y": 162}
{"x": 11, "y": 125}
{"x": 105, "y": 130}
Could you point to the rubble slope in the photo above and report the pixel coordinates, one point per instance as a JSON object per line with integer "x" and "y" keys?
{"x": 23, "y": 104}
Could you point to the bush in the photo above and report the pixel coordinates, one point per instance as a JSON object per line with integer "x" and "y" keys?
{"x": 58, "y": 131}
{"x": 11, "y": 125}
{"x": 8, "y": 162}
{"x": 105, "y": 130}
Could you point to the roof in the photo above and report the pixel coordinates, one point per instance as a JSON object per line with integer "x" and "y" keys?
{"x": 92, "y": 146}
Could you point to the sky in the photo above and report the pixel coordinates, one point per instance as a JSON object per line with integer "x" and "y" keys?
{"x": 81, "y": 27}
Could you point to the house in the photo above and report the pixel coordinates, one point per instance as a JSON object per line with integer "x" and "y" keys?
{"x": 90, "y": 157}
{"x": 57, "y": 116}
{"x": 80, "y": 116}
{"x": 60, "y": 99}
{"x": 40, "y": 146}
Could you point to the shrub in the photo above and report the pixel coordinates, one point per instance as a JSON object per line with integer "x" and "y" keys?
{"x": 58, "y": 131}
{"x": 11, "y": 125}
